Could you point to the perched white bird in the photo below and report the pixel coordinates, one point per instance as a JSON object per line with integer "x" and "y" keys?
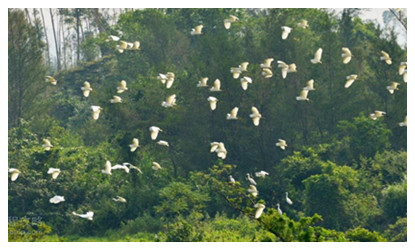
{"x": 216, "y": 86}
{"x": 116, "y": 99}
{"x": 310, "y": 85}
{"x": 252, "y": 189}
{"x": 385, "y": 57}
{"x": 279, "y": 209}
{"x": 170, "y": 101}
{"x": 349, "y": 80}
{"x": 112, "y": 38}
{"x": 227, "y": 22}
{"x": 56, "y": 199}
{"x": 95, "y": 111}
{"x": 261, "y": 174}
{"x": 52, "y": 80}
{"x": 46, "y": 144}
{"x": 134, "y": 145}
{"x": 123, "y": 167}
{"x": 131, "y": 166}
{"x": 163, "y": 143}
{"x": 259, "y": 209}
{"x": 404, "y": 123}
{"x": 213, "y": 146}
{"x": 203, "y": 82}
{"x": 303, "y": 24}
{"x": 244, "y": 82}
{"x": 250, "y": 179}
{"x": 231, "y": 179}
{"x": 233, "y": 114}
{"x": 256, "y": 116}
{"x": 86, "y": 89}
{"x": 156, "y": 166}
{"x": 107, "y": 169}
{"x": 303, "y": 95}
{"x": 394, "y": 86}
{"x": 122, "y": 87}
{"x": 197, "y": 30}
{"x": 119, "y": 199}
{"x": 212, "y": 101}
{"x": 346, "y": 55}
{"x": 402, "y": 67}
{"x": 267, "y": 73}
{"x": 15, "y": 173}
{"x": 285, "y": 32}
{"x": 54, "y": 172}
{"x": 154, "y": 131}
{"x": 281, "y": 143}
{"x": 267, "y": 63}
{"x": 288, "y": 199}
{"x": 89, "y": 215}
{"x": 317, "y": 56}
{"x": 221, "y": 150}
{"x": 236, "y": 72}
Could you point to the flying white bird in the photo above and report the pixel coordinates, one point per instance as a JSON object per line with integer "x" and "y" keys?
{"x": 377, "y": 114}
{"x": 346, "y": 55}
{"x": 170, "y": 101}
{"x": 405, "y": 79}
{"x": 236, "y": 72}
{"x": 122, "y": 87}
{"x": 163, "y": 143}
{"x": 216, "y": 86}
{"x": 317, "y": 56}
{"x": 310, "y": 85}
{"x": 281, "y": 143}
{"x": 303, "y": 95}
{"x": 107, "y": 169}
{"x": 116, "y": 99}
{"x": 119, "y": 199}
{"x": 267, "y": 73}
{"x": 252, "y": 189}
{"x": 170, "y": 79}
{"x": 154, "y": 131}
{"x": 15, "y": 173}
{"x": 288, "y": 199}
{"x": 259, "y": 209}
{"x": 86, "y": 89}
{"x": 46, "y": 144}
{"x": 256, "y": 116}
{"x": 350, "y": 79}
{"x": 134, "y": 145}
{"x": 213, "y": 146}
{"x": 197, "y": 30}
{"x": 136, "y": 45}
{"x": 131, "y": 166}
{"x": 279, "y": 209}
{"x": 394, "y": 86}
{"x": 285, "y": 68}
{"x": 212, "y": 101}
{"x": 156, "y": 166}
{"x": 203, "y": 82}
{"x": 89, "y": 215}
{"x": 123, "y": 167}
{"x": 95, "y": 111}
{"x": 122, "y": 46}
{"x": 231, "y": 179}
{"x": 250, "y": 179}
{"x": 404, "y": 123}
{"x": 56, "y": 199}
{"x": 261, "y": 174}
{"x": 52, "y": 80}
{"x": 112, "y": 38}
{"x": 244, "y": 82}
{"x": 402, "y": 67}
{"x": 285, "y": 32}
{"x": 54, "y": 172}
{"x": 227, "y": 22}
{"x": 267, "y": 63}
{"x": 221, "y": 150}
{"x": 385, "y": 57}
{"x": 303, "y": 24}
{"x": 244, "y": 66}
{"x": 233, "y": 114}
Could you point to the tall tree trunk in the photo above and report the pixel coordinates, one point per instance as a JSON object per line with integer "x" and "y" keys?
{"x": 28, "y": 15}
{"x": 78, "y": 41}
{"x": 46, "y": 38}
{"x": 58, "y": 63}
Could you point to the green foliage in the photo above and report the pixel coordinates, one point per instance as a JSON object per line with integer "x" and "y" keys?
{"x": 363, "y": 235}
{"x": 27, "y": 230}
{"x": 397, "y": 231}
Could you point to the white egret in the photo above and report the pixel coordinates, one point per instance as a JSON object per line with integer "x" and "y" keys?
{"x": 170, "y": 101}
{"x": 317, "y": 56}
{"x": 233, "y": 114}
{"x": 52, "y": 80}
{"x": 350, "y": 79}
{"x": 244, "y": 66}
{"x": 279, "y": 209}
{"x": 136, "y": 45}
{"x": 289, "y": 201}
{"x": 131, "y": 166}
{"x": 379, "y": 113}
{"x": 54, "y": 172}
{"x": 252, "y": 189}
{"x": 303, "y": 24}
{"x": 267, "y": 63}
{"x": 122, "y": 46}
{"x": 346, "y": 55}
{"x": 285, "y": 32}
{"x": 256, "y": 116}
{"x": 212, "y": 101}
{"x": 112, "y": 38}
{"x": 284, "y": 68}
{"x": 197, "y": 30}
{"x": 250, "y": 179}
{"x": 95, "y": 111}
{"x": 231, "y": 179}
{"x": 281, "y": 143}
{"x": 236, "y": 72}
{"x": 221, "y": 150}
{"x": 402, "y": 67}
{"x": 394, "y": 86}
{"x": 86, "y": 89}
{"x": 267, "y": 73}
{"x": 134, "y": 145}
{"x": 116, "y": 99}
{"x": 244, "y": 82}
{"x": 227, "y": 22}
{"x": 203, "y": 82}
{"x": 385, "y": 57}
{"x": 56, "y": 199}
{"x": 107, "y": 169}
{"x": 163, "y": 143}
{"x": 404, "y": 123}
{"x": 259, "y": 209}
{"x": 216, "y": 86}
{"x": 303, "y": 95}
{"x": 89, "y": 215}
{"x": 46, "y": 144}
{"x": 119, "y": 199}
{"x": 122, "y": 87}
{"x": 156, "y": 166}
{"x": 154, "y": 131}
{"x": 261, "y": 174}
{"x": 310, "y": 85}
{"x": 15, "y": 173}
{"x": 170, "y": 79}
{"x": 213, "y": 146}
{"x": 123, "y": 167}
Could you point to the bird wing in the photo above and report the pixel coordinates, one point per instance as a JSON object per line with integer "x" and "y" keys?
{"x": 268, "y": 62}
{"x": 171, "y": 99}
{"x": 304, "y": 93}
{"x": 227, "y": 23}
{"x": 244, "y": 66}
{"x": 385, "y": 55}
{"x": 199, "y": 28}
{"x": 216, "y": 84}
{"x": 349, "y": 82}
{"x": 234, "y": 112}
{"x": 108, "y": 166}
{"x": 169, "y": 82}
{"x": 244, "y": 84}
{"x": 14, "y": 176}
{"x": 55, "y": 174}
{"x": 255, "y": 120}
{"x": 123, "y": 84}
{"x": 317, "y": 55}
{"x": 255, "y": 111}
{"x": 310, "y": 84}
